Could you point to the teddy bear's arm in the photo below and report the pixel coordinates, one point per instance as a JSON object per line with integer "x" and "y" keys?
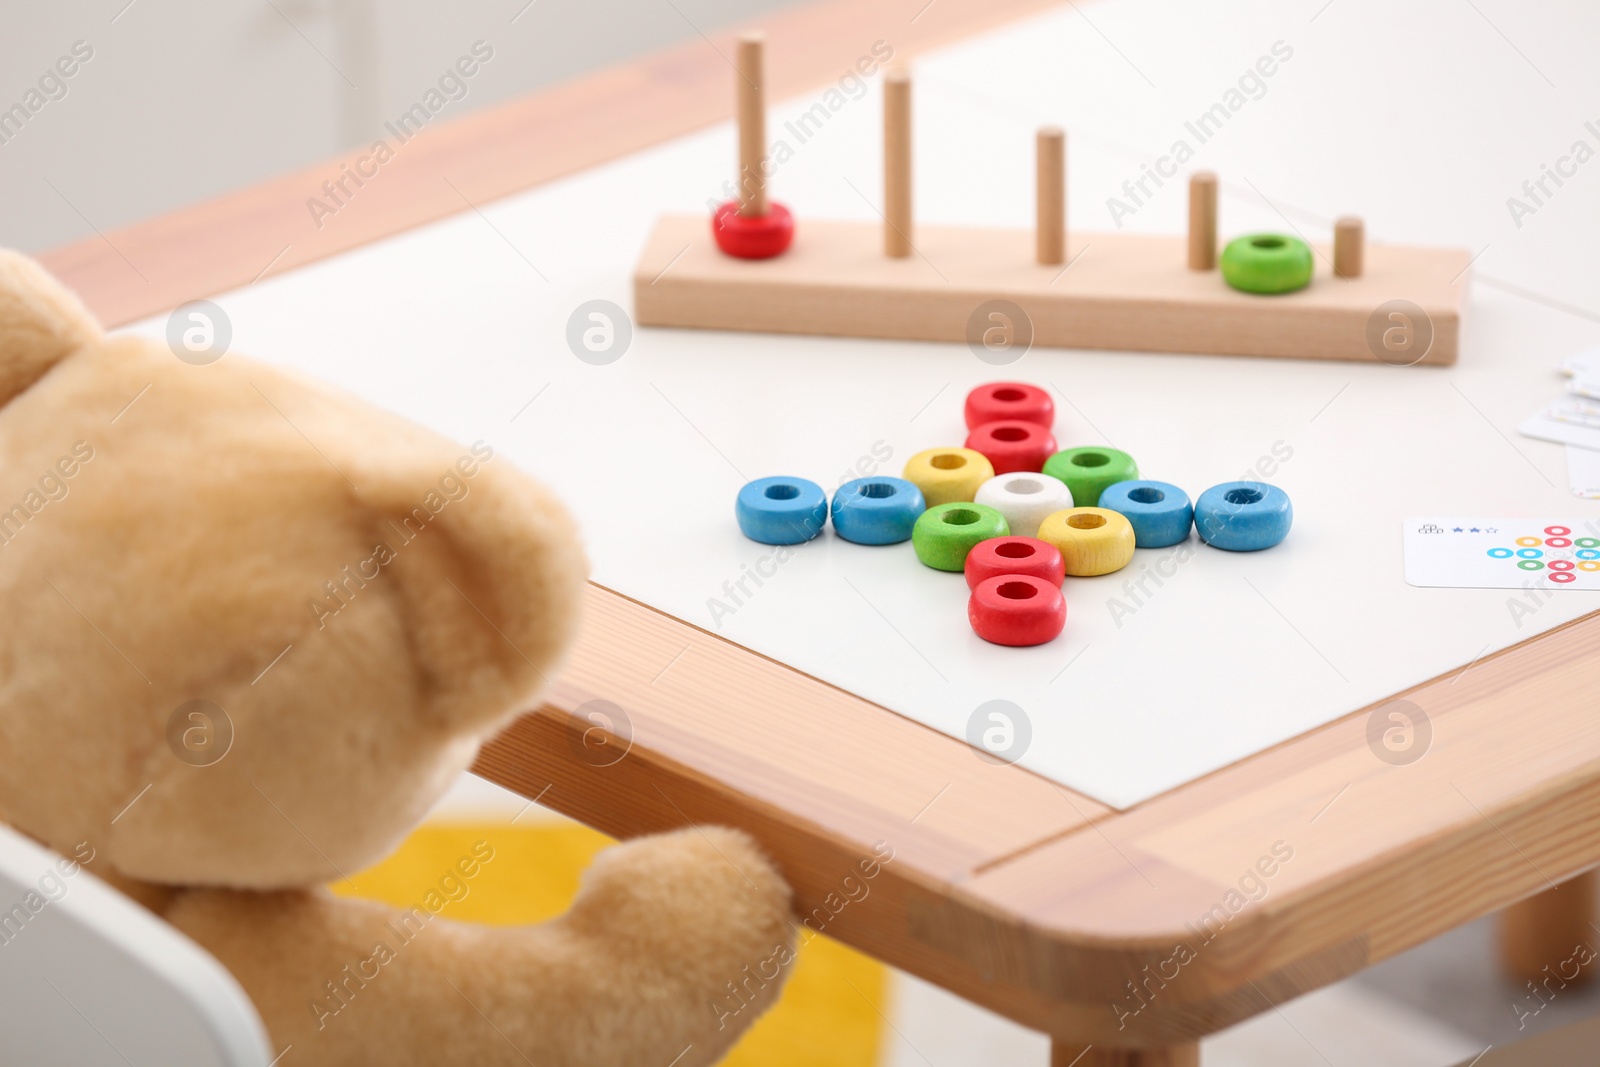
{"x": 673, "y": 947}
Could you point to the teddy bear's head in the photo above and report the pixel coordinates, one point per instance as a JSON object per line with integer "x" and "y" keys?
{"x": 252, "y": 627}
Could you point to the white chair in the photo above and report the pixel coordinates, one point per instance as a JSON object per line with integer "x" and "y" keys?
{"x": 90, "y": 978}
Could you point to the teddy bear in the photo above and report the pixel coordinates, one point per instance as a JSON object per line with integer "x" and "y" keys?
{"x": 254, "y": 629}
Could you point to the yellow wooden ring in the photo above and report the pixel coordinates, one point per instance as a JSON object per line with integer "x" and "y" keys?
{"x": 948, "y": 475}
{"x": 1092, "y": 540}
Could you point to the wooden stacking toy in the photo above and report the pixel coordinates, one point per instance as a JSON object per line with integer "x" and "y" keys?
{"x": 877, "y": 511}
{"x": 947, "y": 532}
{"x": 1088, "y": 472}
{"x": 781, "y": 511}
{"x": 1159, "y": 513}
{"x": 1243, "y": 516}
{"x": 1013, "y": 444}
{"x": 1025, "y": 498}
{"x": 1092, "y": 540}
{"x": 1000, "y": 556}
{"x": 897, "y": 278}
{"x": 946, "y": 475}
{"x": 1017, "y": 609}
{"x": 1009, "y": 400}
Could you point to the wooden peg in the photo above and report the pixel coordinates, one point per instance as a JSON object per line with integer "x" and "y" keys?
{"x": 1349, "y": 246}
{"x": 1050, "y": 184}
{"x": 897, "y": 164}
{"x": 1539, "y": 935}
{"x": 1203, "y": 221}
{"x": 750, "y": 87}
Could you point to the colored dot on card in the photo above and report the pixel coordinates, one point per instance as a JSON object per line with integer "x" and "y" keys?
{"x": 1529, "y": 553}
{"x": 1529, "y": 541}
{"x": 1589, "y": 542}
{"x": 1587, "y": 553}
{"x": 1557, "y": 531}
{"x": 1499, "y": 553}
{"x": 1561, "y": 564}
{"x": 1589, "y": 565}
{"x": 1562, "y": 576}
{"x": 1559, "y": 542}
{"x": 1530, "y": 564}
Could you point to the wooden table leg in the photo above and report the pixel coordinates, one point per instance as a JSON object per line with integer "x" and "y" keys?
{"x": 1550, "y": 936}
{"x": 1062, "y": 1055}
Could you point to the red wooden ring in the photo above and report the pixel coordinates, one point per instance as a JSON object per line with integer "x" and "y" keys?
{"x": 1012, "y": 445}
{"x": 1017, "y": 609}
{"x": 752, "y": 236}
{"x": 1009, "y": 400}
{"x": 1000, "y": 556}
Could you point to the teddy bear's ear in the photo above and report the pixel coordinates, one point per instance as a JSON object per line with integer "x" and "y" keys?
{"x": 41, "y": 323}
{"x": 491, "y": 574}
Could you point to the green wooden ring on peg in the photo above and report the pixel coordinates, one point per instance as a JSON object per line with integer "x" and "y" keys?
{"x": 1267, "y": 263}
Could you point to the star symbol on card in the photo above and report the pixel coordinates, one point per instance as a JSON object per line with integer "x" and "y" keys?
{"x": 1457, "y": 530}
{"x": 1490, "y": 529}
{"x": 1473, "y": 530}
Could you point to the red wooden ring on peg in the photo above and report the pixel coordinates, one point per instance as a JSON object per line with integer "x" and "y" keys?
{"x": 752, "y": 236}
{"x": 1017, "y": 609}
{"x": 1009, "y": 400}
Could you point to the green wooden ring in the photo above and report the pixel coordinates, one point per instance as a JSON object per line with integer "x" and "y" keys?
{"x": 1267, "y": 263}
{"x": 945, "y": 533}
{"x": 1088, "y": 472}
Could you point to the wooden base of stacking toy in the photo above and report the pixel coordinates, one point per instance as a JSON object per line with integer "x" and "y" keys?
{"x": 1002, "y": 290}
{"x": 1120, "y": 291}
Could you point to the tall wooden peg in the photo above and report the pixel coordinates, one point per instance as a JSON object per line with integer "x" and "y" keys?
{"x": 1050, "y": 184}
{"x": 897, "y": 164}
{"x": 1349, "y": 247}
{"x": 1203, "y": 221}
{"x": 750, "y": 87}
{"x": 751, "y": 226}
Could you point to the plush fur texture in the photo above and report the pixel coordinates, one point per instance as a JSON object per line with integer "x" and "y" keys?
{"x": 365, "y": 603}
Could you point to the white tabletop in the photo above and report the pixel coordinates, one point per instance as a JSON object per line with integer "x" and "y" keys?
{"x": 1423, "y": 121}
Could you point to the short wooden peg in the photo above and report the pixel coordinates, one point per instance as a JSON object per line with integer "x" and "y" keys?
{"x": 749, "y": 84}
{"x": 897, "y": 164}
{"x": 1051, "y": 191}
{"x": 1203, "y": 221}
{"x": 1349, "y": 244}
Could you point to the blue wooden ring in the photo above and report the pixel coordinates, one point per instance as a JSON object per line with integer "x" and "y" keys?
{"x": 781, "y": 511}
{"x": 1243, "y": 516}
{"x": 876, "y": 511}
{"x": 1159, "y": 513}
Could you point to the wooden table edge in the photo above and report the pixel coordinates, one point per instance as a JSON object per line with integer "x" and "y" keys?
{"x": 948, "y": 927}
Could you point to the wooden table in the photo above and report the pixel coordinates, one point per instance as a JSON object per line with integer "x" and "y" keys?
{"x": 1135, "y": 931}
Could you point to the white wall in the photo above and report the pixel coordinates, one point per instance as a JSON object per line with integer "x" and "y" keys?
{"x": 184, "y": 99}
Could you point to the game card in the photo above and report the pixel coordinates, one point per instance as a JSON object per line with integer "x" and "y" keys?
{"x": 1583, "y": 472}
{"x": 1570, "y": 422}
{"x": 1503, "y": 553}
